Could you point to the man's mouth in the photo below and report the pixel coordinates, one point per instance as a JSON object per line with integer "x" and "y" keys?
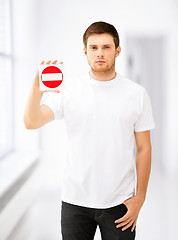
{"x": 100, "y": 62}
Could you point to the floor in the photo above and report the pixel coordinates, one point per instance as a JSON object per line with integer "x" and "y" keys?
{"x": 157, "y": 218}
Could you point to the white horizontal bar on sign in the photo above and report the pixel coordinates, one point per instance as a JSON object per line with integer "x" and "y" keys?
{"x": 52, "y": 77}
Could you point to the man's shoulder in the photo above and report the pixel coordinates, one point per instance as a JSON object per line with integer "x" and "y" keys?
{"x": 131, "y": 84}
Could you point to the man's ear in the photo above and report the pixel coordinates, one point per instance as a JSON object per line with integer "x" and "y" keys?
{"x": 118, "y": 51}
{"x": 85, "y": 50}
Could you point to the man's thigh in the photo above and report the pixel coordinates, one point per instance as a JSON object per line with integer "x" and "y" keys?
{"x": 107, "y": 224}
{"x": 77, "y": 223}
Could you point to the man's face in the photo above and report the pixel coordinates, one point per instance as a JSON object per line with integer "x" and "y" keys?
{"x": 101, "y": 52}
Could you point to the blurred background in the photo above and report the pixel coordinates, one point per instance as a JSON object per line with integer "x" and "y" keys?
{"x": 31, "y": 161}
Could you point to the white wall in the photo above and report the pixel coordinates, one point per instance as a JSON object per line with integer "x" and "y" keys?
{"x": 53, "y": 29}
{"x": 24, "y": 68}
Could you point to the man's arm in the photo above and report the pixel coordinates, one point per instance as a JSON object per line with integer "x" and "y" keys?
{"x": 36, "y": 115}
{"x": 143, "y": 166}
{"x": 143, "y": 162}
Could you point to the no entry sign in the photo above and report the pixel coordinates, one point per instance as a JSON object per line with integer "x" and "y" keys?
{"x": 50, "y": 76}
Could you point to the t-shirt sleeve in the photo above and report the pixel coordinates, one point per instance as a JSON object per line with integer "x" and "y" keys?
{"x": 55, "y": 102}
{"x": 145, "y": 120}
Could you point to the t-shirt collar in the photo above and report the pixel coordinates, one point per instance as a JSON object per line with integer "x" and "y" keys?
{"x": 103, "y": 83}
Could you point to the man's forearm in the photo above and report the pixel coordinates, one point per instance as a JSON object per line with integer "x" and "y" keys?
{"x": 143, "y": 166}
{"x": 32, "y": 109}
{"x": 134, "y": 204}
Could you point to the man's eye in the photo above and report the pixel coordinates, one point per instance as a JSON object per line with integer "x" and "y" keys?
{"x": 93, "y": 47}
{"x": 106, "y": 47}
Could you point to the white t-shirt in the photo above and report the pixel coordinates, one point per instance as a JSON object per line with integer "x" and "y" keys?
{"x": 100, "y": 119}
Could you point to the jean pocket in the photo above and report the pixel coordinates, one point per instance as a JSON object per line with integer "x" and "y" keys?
{"x": 125, "y": 206}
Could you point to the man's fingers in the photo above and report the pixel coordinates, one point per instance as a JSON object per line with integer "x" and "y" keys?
{"x": 133, "y": 226}
{"x": 54, "y": 62}
{"x": 124, "y": 223}
{"x": 128, "y": 225}
{"x": 122, "y": 219}
{"x": 57, "y": 91}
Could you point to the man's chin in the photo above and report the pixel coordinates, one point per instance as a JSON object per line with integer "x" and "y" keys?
{"x": 100, "y": 69}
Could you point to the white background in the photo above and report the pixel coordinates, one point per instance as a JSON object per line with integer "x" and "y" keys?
{"x": 53, "y": 30}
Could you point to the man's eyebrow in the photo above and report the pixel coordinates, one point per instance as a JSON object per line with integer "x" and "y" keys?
{"x": 93, "y": 45}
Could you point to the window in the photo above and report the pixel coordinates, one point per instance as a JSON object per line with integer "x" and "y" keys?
{"x": 6, "y": 84}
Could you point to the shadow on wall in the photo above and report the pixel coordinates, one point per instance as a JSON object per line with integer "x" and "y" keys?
{"x": 147, "y": 67}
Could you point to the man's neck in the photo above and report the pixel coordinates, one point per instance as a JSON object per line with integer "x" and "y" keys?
{"x": 102, "y": 76}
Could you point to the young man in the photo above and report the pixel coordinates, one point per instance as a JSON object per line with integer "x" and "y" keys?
{"x": 104, "y": 114}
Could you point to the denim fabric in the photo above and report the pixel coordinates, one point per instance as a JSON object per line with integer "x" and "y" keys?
{"x": 80, "y": 223}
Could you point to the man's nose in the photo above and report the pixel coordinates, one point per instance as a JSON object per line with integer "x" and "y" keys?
{"x": 100, "y": 52}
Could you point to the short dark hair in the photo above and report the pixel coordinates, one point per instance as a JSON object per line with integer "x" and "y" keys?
{"x": 99, "y": 28}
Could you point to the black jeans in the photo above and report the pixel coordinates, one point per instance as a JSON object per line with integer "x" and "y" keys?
{"x": 80, "y": 223}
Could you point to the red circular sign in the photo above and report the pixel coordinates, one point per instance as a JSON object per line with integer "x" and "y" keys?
{"x": 52, "y": 76}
